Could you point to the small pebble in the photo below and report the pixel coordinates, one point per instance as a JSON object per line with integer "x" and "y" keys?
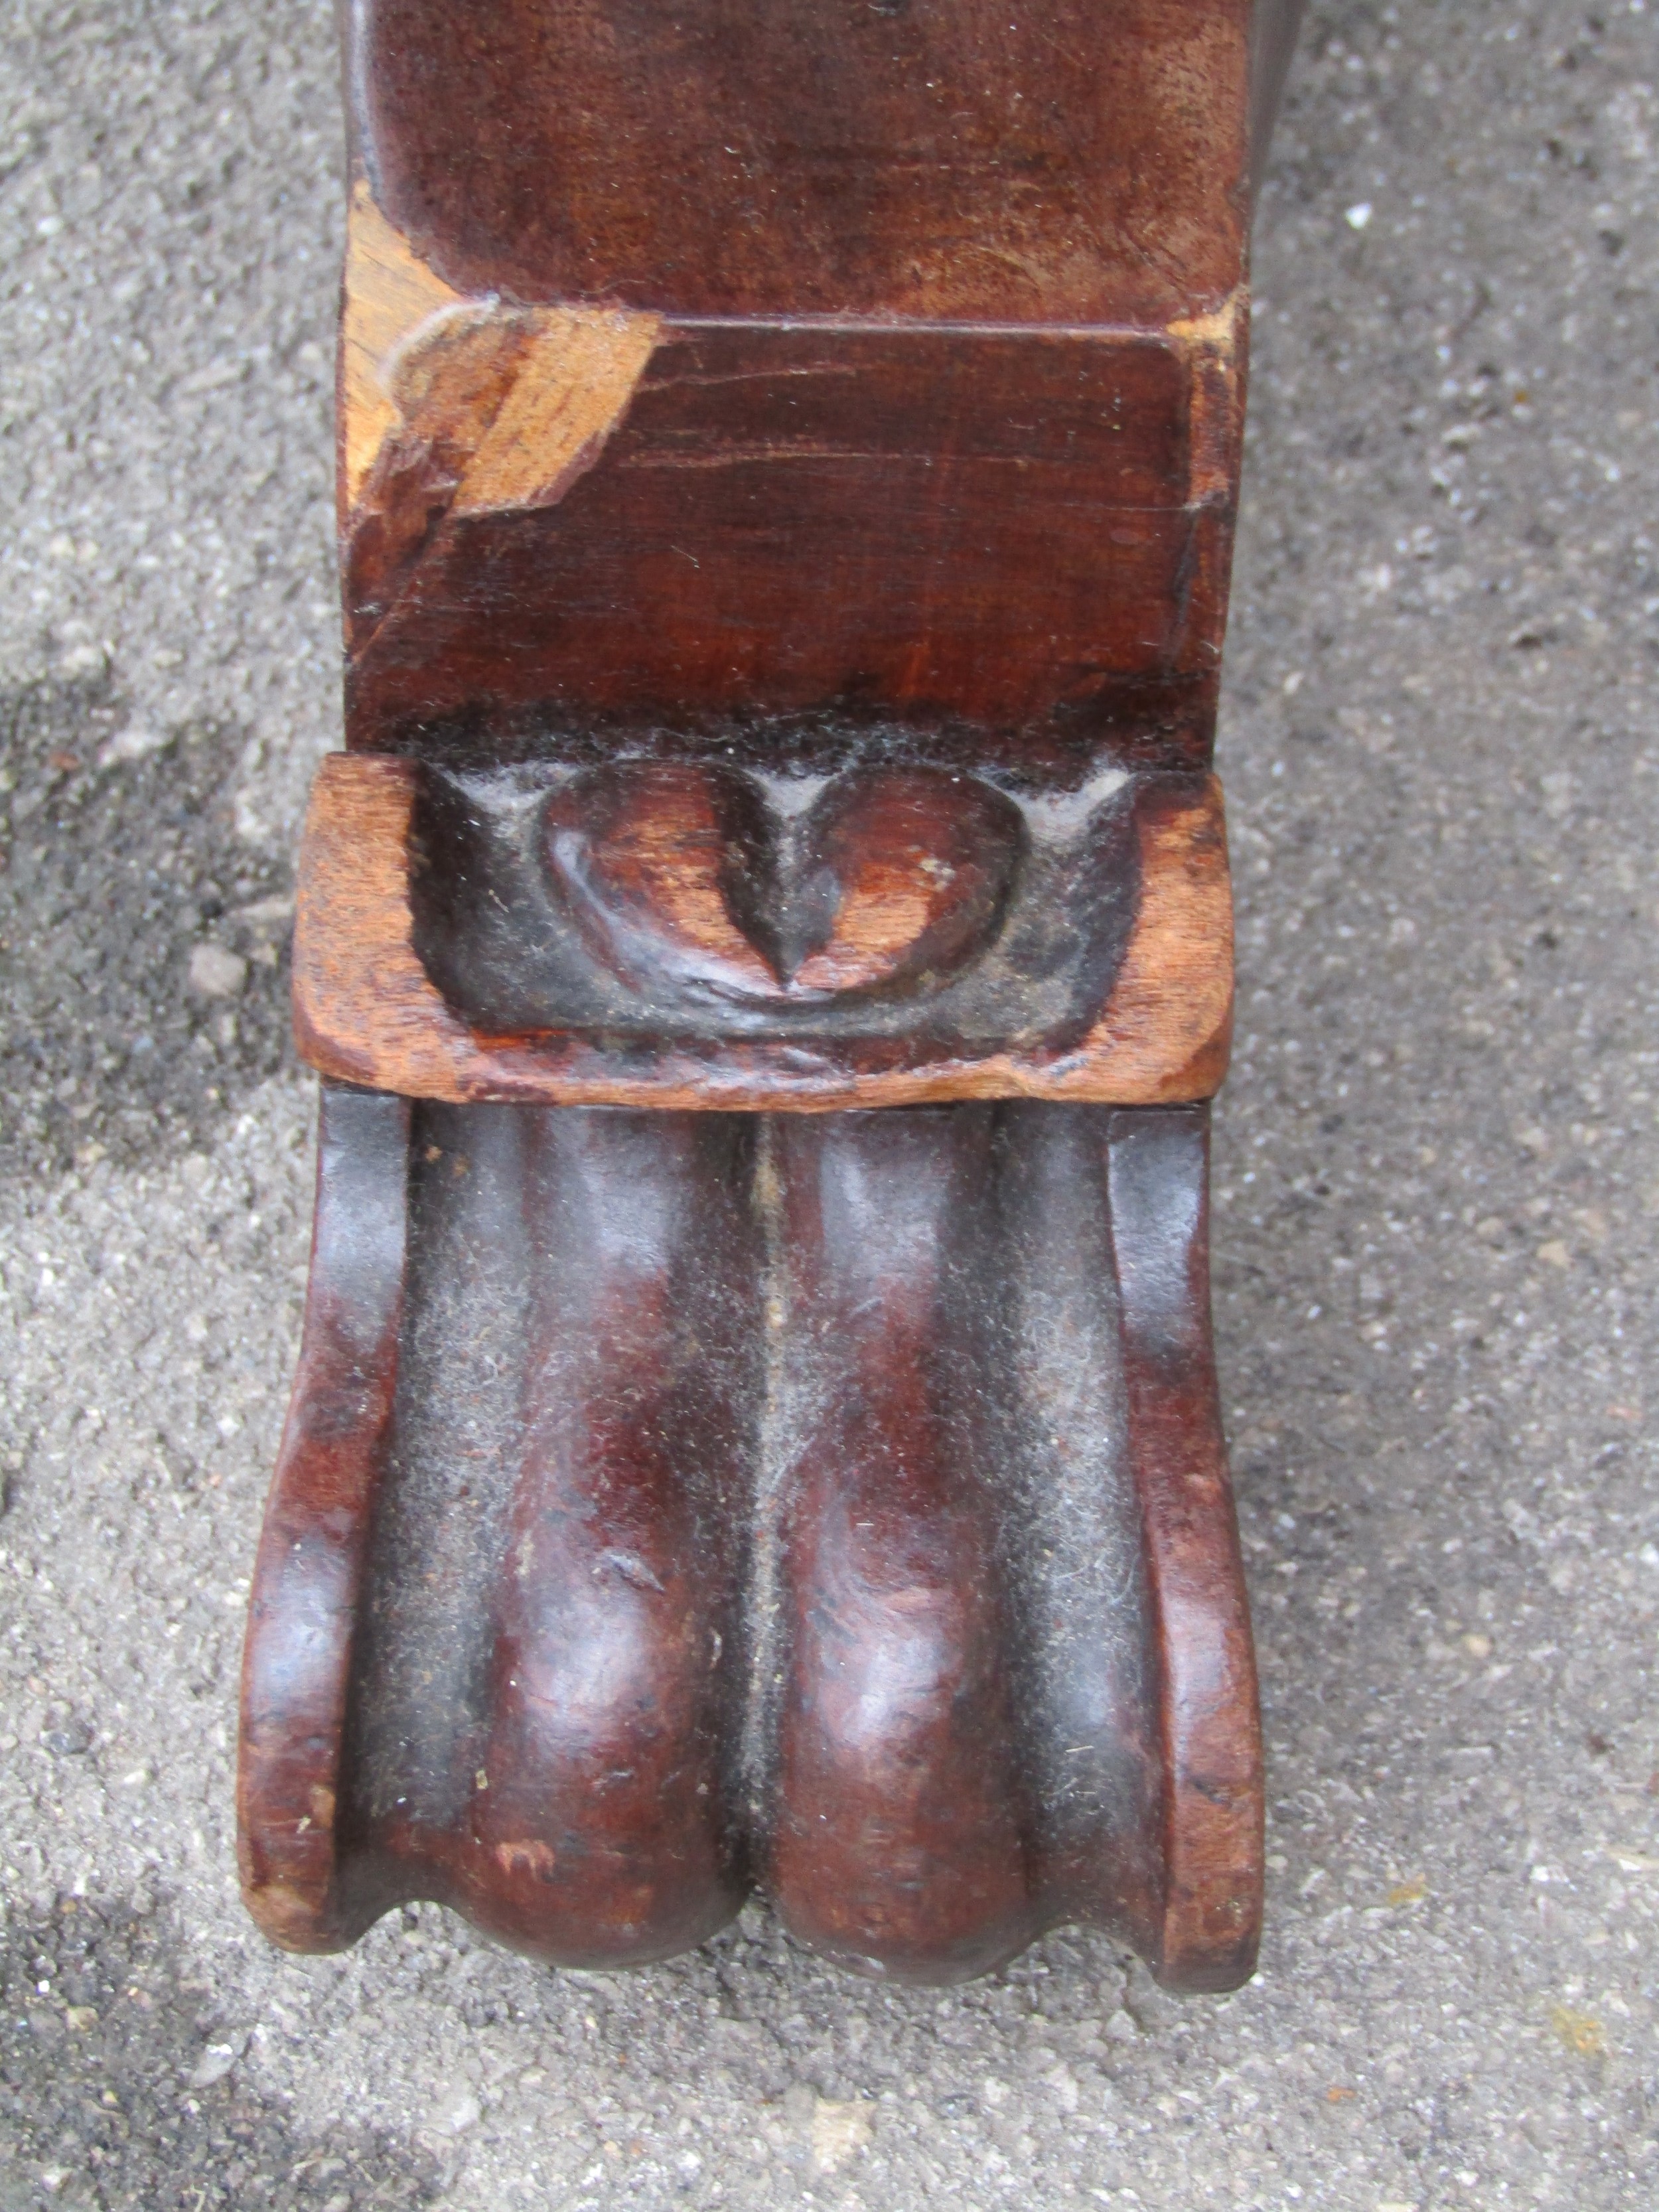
{"x": 216, "y": 974}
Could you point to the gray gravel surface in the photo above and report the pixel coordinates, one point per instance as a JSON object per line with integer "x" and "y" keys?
{"x": 1438, "y": 1214}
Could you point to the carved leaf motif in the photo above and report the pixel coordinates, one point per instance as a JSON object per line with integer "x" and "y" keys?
{"x": 889, "y": 879}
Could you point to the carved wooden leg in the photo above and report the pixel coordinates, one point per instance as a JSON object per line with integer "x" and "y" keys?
{"x": 768, "y": 947}
{"x": 1018, "y": 1680}
{"x": 310, "y": 1581}
{"x": 845, "y": 1511}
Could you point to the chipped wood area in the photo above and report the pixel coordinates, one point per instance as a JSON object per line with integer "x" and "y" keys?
{"x": 576, "y": 378}
{"x": 366, "y": 1011}
{"x": 512, "y": 403}
{"x": 462, "y": 417}
{"x": 387, "y": 294}
{"x": 1216, "y": 347}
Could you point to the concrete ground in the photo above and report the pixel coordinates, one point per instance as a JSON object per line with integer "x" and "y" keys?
{"x": 1438, "y": 1214}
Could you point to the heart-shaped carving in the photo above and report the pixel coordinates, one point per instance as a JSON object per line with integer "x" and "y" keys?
{"x": 680, "y": 872}
{"x": 903, "y": 874}
{"x": 651, "y": 857}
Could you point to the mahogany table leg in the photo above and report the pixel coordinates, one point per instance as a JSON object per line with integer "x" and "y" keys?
{"x": 756, "y": 1423}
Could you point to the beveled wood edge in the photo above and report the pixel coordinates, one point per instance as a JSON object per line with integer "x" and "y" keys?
{"x": 306, "y": 1596}
{"x": 366, "y": 1012}
{"x": 394, "y": 304}
{"x": 1206, "y": 1700}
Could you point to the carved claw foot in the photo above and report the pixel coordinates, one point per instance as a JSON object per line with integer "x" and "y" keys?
{"x": 677, "y": 1503}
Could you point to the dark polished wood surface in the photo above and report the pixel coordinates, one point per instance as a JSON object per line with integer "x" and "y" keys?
{"x": 788, "y": 465}
{"x": 675, "y": 1503}
{"x": 946, "y": 160}
{"x": 915, "y": 397}
{"x": 308, "y": 1584}
{"x": 936, "y": 526}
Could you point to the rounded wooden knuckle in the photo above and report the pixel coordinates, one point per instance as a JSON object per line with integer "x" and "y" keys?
{"x": 898, "y": 1844}
{"x": 690, "y": 1613}
{"x": 652, "y": 859}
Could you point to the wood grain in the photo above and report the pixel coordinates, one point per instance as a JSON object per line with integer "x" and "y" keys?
{"x": 1017, "y": 527}
{"x": 788, "y": 469}
{"x": 366, "y": 1011}
{"x": 918, "y": 392}
{"x": 1158, "y": 1174}
{"x": 950, "y": 160}
{"x": 897, "y": 1825}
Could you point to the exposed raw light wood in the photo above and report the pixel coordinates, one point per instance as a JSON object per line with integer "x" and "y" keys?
{"x": 527, "y": 395}
{"x": 387, "y": 293}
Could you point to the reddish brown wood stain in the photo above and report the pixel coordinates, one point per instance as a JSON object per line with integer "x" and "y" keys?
{"x": 948, "y": 160}
{"x": 915, "y": 394}
{"x": 788, "y": 456}
{"x": 1007, "y": 527}
{"x": 309, "y": 1582}
{"x": 898, "y": 1835}
{"x": 743, "y": 1576}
